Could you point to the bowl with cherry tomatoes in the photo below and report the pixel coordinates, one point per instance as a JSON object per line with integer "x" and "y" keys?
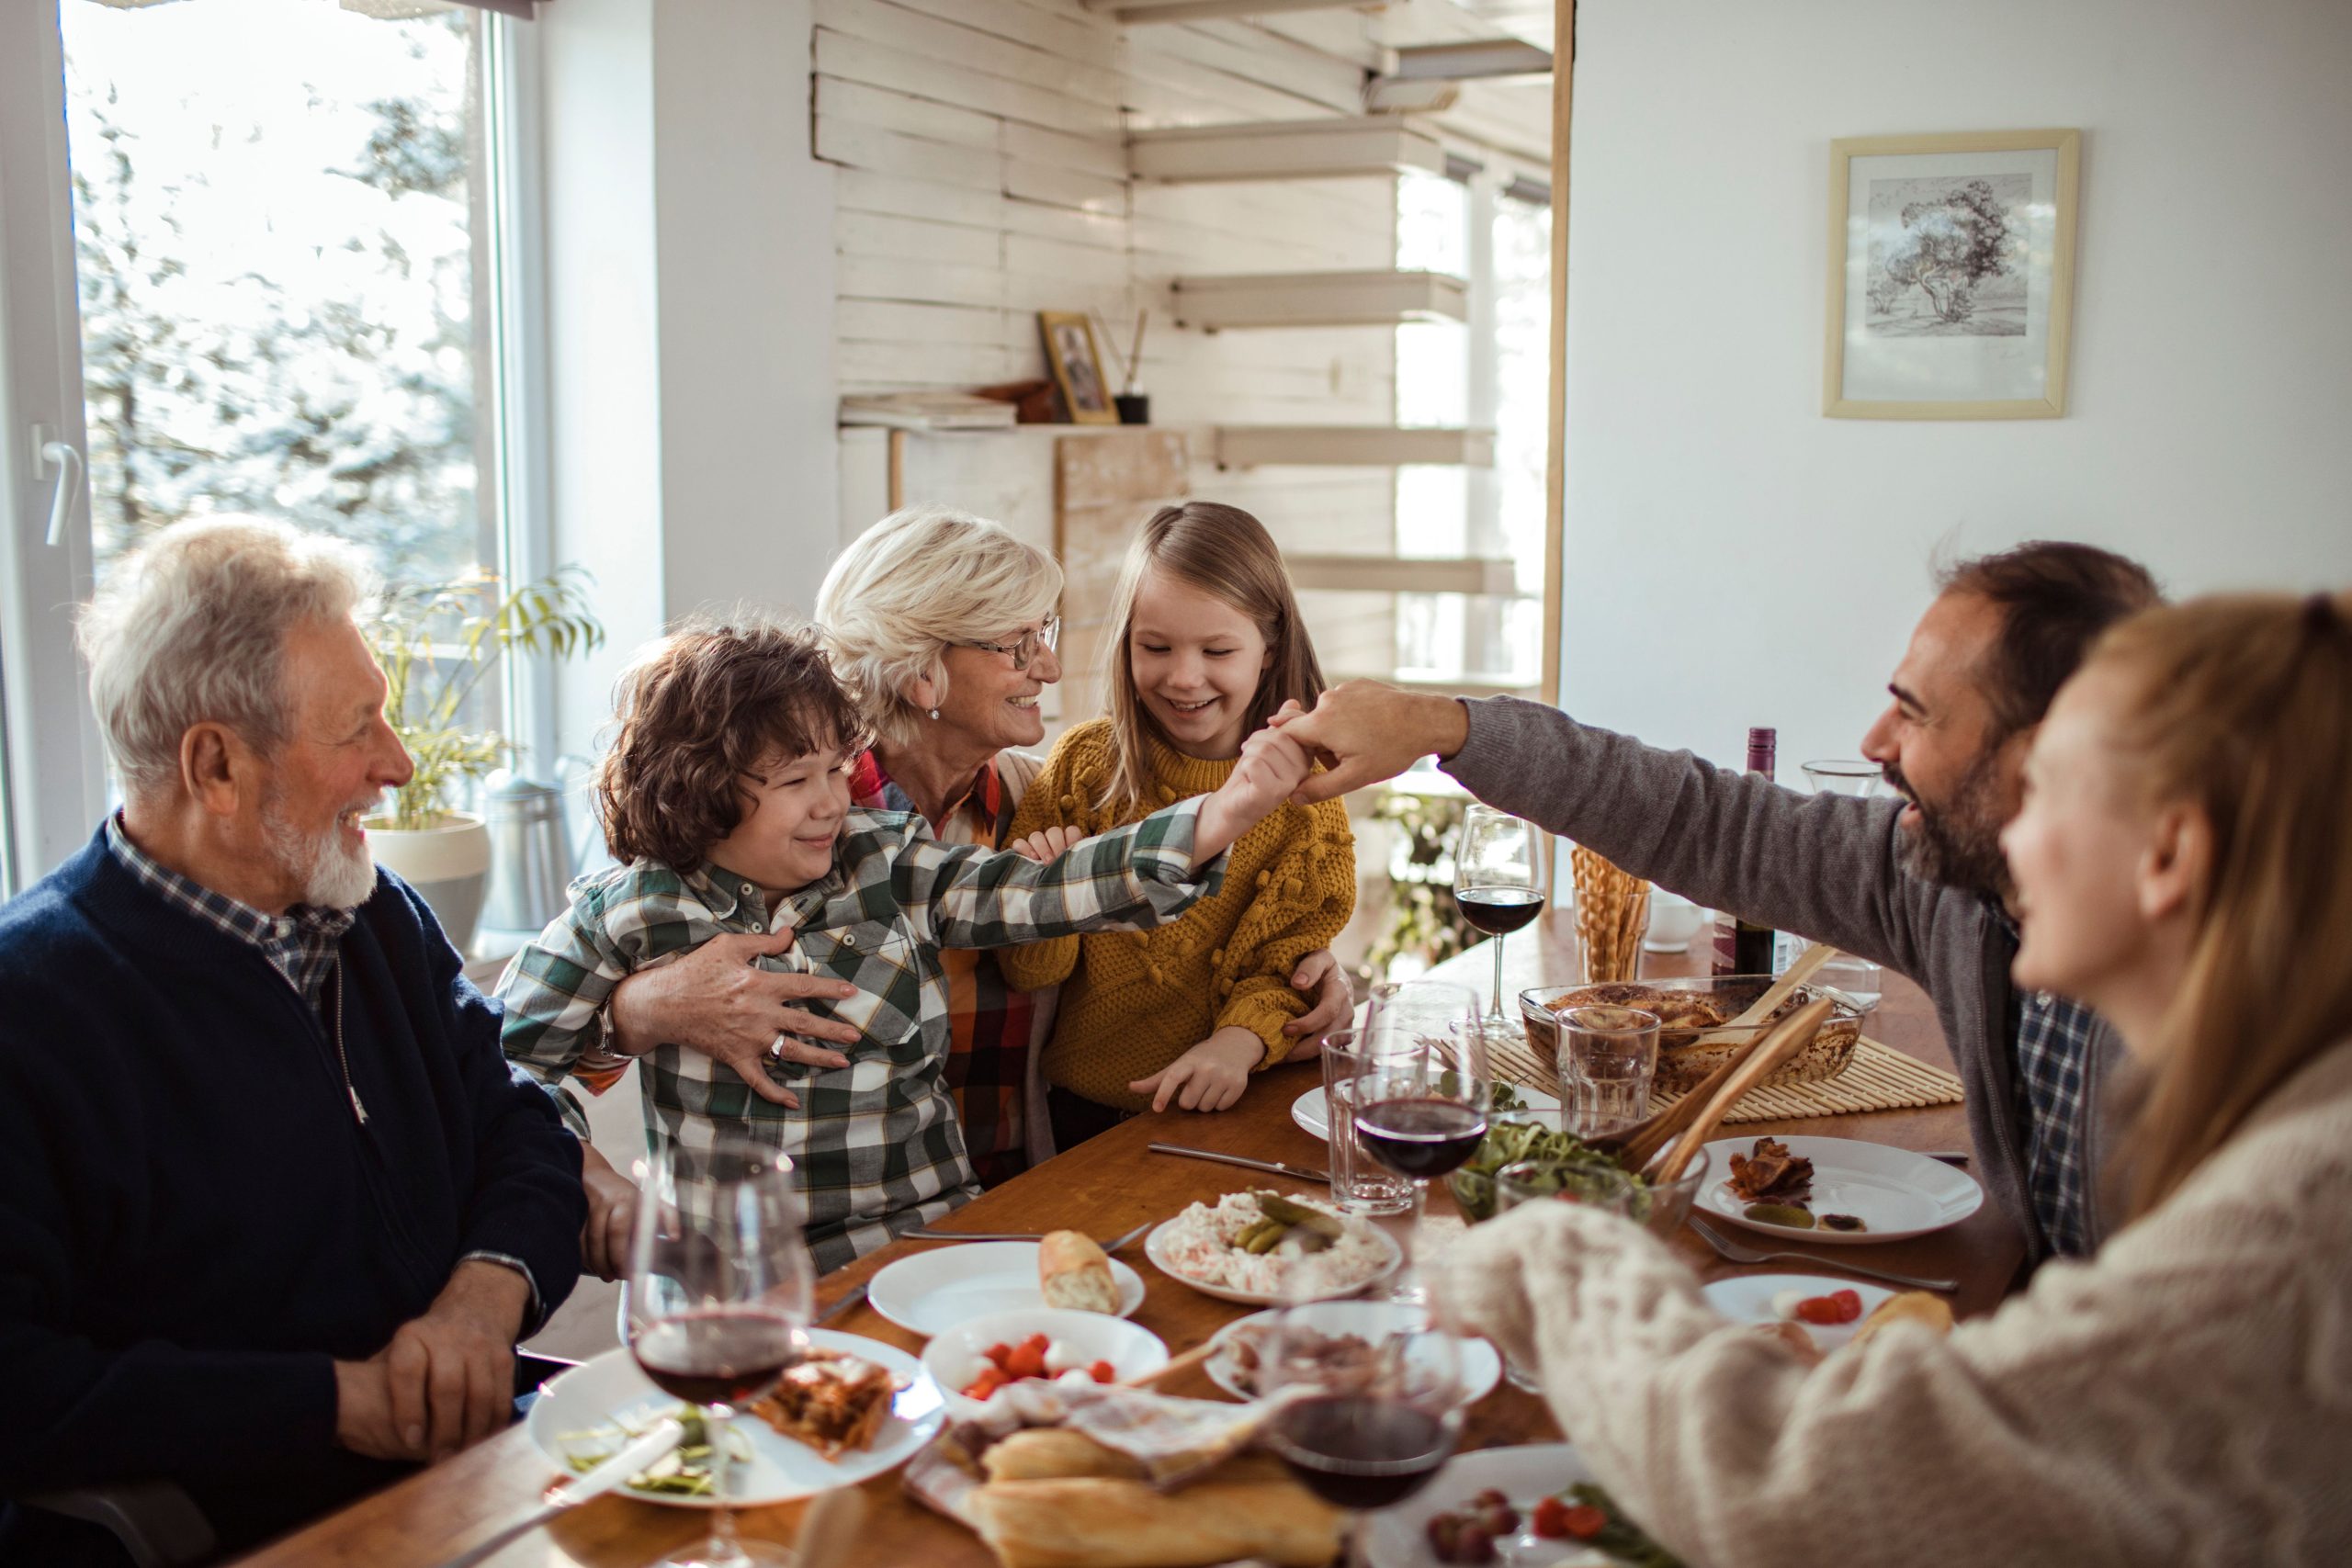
{"x": 975, "y": 1359}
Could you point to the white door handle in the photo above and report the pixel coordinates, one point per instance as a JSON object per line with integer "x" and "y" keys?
{"x": 69, "y": 480}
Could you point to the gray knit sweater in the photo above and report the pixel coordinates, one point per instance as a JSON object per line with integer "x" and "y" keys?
{"x": 1824, "y": 866}
{"x": 2186, "y": 1397}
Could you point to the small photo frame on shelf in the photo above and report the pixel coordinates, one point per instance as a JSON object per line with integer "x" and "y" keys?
{"x": 1951, "y": 274}
{"x": 1077, "y": 367}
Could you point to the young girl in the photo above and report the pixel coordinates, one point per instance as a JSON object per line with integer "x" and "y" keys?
{"x": 725, "y": 797}
{"x": 1209, "y": 645}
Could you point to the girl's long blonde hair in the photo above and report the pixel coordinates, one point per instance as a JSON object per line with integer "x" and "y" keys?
{"x": 1224, "y": 551}
{"x": 2242, "y": 705}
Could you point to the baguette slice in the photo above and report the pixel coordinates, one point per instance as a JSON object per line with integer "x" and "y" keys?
{"x": 1074, "y": 1272}
{"x": 1933, "y": 1312}
{"x": 1091, "y": 1522}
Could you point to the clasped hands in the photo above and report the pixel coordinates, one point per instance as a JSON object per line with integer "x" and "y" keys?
{"x": 447, "y": 1380}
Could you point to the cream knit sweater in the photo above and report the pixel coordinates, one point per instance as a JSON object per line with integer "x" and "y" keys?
{"x": 2186, "y": 1398}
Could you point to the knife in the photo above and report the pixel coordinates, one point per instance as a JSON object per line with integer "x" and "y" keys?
{"x": 562, "y": 1494}
{"x": 850, "y": 1298}
{"x": 1295, "y": 1172}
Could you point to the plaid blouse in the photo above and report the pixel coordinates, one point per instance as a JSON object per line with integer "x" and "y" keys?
{"x": 992, "y": 1028}
{"x": 878, "y": 1143}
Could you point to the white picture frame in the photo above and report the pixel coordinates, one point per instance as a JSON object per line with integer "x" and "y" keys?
{"x": 1951, "y": 273}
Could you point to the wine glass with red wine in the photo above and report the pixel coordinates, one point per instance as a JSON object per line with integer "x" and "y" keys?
{"x": 1421, "y": 1107}
{"x": 1500, "y": 873}
{"x": 1368, "y": 1403}
{"x": 718, "y": 1303}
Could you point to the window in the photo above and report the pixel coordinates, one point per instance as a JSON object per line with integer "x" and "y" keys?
{"x": 1491, "y": 371}
{"x": 281, "y": 235}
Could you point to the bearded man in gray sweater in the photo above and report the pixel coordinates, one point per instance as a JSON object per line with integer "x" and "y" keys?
{"x": 1916, "y": 884}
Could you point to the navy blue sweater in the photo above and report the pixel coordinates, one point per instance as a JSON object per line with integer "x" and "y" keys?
{"x": 193, "y": 1223}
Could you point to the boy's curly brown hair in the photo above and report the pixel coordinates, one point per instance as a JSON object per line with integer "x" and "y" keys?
{"x": 712, "y": 703}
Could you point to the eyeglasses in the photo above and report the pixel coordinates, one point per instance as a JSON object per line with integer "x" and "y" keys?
{"x": 1023, "y": 649}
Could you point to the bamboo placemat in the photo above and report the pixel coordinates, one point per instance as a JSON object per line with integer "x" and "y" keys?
{"x": 1879, "y": 1078}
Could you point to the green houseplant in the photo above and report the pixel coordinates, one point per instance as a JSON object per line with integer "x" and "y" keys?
{"x": 437, "y": 643}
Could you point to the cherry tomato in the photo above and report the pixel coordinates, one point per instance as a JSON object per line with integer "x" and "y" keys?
{"x": 1584, "y": 1521}
{"x": 999, "y": 1354}
{"x": 1037, "y": 1342}
{"x": 1551, "y": 1516}
{"x": 1820, "y": 1309}
{"x": 1104, "y": 1371}
{"x": 1026, "y": 1361}
{"x": 1850, "y": 1304}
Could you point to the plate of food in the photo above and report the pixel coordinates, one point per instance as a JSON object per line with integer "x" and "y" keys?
{"x": 1233, "y": 1364}
{"x": 933, "y": 1292}
{"x": 852, "y": 1409}
{"x": 1531, "y": 1506}
{"x": 1835, "y": 1190}
{"x": 1263, "y": 1246}
{"x": 1312, "y": 1111}
{"x": 1828, "y": 1309}
{"x": 974, "y": 1360}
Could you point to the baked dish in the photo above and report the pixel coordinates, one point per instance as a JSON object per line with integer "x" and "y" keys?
{"x": 1689, "y": 1008}
{"x": 833, "y": 1402}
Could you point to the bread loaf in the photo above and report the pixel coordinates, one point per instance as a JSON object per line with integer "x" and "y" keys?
{"x": 1094, "y": 1522}
{"x": 1074, "y": 1272}
{"x": 1912, "y": 1307}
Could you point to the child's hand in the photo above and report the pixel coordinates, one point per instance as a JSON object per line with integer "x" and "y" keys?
{"x": 612, "y": 1215}
{"x": 1272, "y": 766}
{"x": 1210, "y": 1076}
{"x": 1046, "y": 843}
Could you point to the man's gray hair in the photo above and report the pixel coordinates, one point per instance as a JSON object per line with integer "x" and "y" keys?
{"x": 190, "y": 628}
{"x": 913, "y": 585}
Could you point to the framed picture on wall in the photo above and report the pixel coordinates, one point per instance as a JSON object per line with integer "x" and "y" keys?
{"x": 1951, "y": 274}
{"x": 1077, "y": 369}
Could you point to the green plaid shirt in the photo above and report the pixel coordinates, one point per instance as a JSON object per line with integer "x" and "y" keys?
{"x": 876, "y": 1143}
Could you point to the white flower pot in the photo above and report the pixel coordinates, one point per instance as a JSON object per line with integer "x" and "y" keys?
{"x": 447, "y": 864}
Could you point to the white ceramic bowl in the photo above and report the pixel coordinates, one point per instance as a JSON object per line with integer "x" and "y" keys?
{"x": 955, "y": 1356}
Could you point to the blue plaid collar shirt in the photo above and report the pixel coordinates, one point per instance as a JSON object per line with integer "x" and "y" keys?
{"x": 2051, "y": 1045}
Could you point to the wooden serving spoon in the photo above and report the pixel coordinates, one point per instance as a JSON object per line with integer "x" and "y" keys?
{"x": 1807, "y": 963}
{"x": 1782, "y": 1042}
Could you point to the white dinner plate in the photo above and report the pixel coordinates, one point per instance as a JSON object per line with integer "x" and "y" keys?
{"x": 610, "y": 1388}
{"x": 1399, "y": 1536}
{"x": 1155, "y": 1246}
{"x": 1748, "y": 1297}
{"x": 1482, "y": 1369}
{"x": 1896, "y": 1193}
{"x": 1312, "y": 1112}
{"x": 934, "y": 1291}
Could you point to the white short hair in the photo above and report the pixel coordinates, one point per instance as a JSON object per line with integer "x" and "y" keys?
{"x": 922, "y": 578}
{"x": 190, "y": 628}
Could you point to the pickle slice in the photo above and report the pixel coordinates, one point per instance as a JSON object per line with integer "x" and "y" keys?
{"x": 1787, "y": 1214}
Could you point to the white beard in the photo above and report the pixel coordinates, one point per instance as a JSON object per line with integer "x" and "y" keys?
{"x": 331, "y": 876}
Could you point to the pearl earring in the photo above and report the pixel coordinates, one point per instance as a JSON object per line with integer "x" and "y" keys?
{"x": 935, "y": 713}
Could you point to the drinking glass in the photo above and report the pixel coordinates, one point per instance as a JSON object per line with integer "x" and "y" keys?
{"x": 718, "y": 1303}
{"x": 1401, "y": 1011}
{"x": 1421, "y": 1108}
{"x": 1856, "y": 776}
{"x": 1596, "y": 1185}
{"x": 1359, "y": 1184}
{"x": 1861, "y": 981}
{"x": 1499, "y": 874}
{"x": 1608, "y": 1055}
{"x": 1364, "y": 1430}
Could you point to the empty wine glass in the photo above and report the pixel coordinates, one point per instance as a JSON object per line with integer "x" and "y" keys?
{"x": 1499, "y": 877}
{"x": 718, "y": 1303}
{"x": 1368, "y": 1403}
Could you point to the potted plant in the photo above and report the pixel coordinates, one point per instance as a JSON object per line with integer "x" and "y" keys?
{"x": 436, "y": 642}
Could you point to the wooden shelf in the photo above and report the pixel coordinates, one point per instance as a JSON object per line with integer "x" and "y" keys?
{"x": 1203, "y": 10}
{"x": 1350, "y": 445}
{"x": 1318, "y": 299}
{"x": 1388, "y": 574}
{"x": 1283, "y": 150}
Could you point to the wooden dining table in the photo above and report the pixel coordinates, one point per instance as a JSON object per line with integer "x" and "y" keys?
{"x": 1106, "y": 1186}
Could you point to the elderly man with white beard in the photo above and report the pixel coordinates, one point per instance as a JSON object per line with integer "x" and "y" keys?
{"x": 273, "y": 1208}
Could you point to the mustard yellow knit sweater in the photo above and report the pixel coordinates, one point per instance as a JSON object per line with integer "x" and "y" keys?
{"x": 1134, "y": 1001}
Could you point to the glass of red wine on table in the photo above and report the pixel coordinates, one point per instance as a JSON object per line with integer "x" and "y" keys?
{"x": 1362, "y": 1431}
{"x": 1423, "y": 1100}
{"x": 1500, "y": 873}
{"x": 718, "y": 1303}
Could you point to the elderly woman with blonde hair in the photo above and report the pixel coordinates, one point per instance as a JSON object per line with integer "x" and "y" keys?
{"x": 943, "y": 625}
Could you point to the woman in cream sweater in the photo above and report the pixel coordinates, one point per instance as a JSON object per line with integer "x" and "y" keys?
{"x": 2183, "y": 864}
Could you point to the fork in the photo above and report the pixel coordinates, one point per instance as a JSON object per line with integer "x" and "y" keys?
{"x": 927, "y": 1234}
{"x": 1733, "y": 1253}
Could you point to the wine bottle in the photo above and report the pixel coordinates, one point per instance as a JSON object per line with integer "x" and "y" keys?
{"x": 1743, "y": 947}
